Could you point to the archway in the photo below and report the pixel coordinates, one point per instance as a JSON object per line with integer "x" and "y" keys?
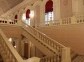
{"x": 48, "y": 11}
{"x": 26, "y": 48}
{"x": 28, "y": 17}
{"x": 15, "y": 18}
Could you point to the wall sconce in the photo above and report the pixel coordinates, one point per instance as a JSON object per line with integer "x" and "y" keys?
{"x": 15, "y": 46}
{"x": 10, "y": 39}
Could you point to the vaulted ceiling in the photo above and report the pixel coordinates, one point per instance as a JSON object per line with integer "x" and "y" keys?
{"x": 6, "y": 5}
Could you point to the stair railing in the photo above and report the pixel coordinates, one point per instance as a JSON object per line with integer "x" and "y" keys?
{"x": 7, "y": 51}
{"x": 54, "y": 58}
{"x": 59, "y": 49}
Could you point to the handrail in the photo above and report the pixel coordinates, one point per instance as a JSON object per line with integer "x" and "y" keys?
{"x": 64, "y": 21}
{"x": 12, "y": 55}
{"x": 2, "y": 21}
{"x": 54, "y": 58}
{"x": 54, "y": 44}
{"x": 58, "y": 48}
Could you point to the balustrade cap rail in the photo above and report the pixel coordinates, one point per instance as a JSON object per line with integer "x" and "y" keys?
{"x": 46, "y": 36}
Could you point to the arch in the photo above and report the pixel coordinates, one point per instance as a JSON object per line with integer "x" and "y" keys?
{"x": 49, "y": 6}
{"x": 48, "y": 11}
{"x": 16, "y": 16}
{"x": 27, "y": 14}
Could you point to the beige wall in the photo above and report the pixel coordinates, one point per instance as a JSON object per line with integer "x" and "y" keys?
{"x": 37, "y": 15}
{"x": 69, "y": 35}
{"x": 66, "y": 8}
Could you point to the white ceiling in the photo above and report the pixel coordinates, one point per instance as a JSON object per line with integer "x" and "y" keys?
{"x": 6, "y": 5}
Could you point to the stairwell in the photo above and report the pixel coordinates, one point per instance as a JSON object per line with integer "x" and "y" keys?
{"x": 55, "y": 58}
{"x": 64, "y": 33}
{"x": 54, "y": 51}
{"x": 46, "y": 43}
{"x": 74, "y": 56}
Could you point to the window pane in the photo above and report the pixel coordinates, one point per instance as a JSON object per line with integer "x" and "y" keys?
{"x": 48, "y": 17}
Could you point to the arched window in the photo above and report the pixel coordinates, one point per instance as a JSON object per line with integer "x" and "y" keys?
{"x": 48, "y": 11}
{"x": 27, "y": 14}
{"x": 28, "y": 17}
{"x": 16, "y": 17}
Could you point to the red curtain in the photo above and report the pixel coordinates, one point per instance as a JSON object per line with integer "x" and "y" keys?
{"x": 16, "y": 16}
{"x": 27, "y": 14}
{"x": 49, "y": 6}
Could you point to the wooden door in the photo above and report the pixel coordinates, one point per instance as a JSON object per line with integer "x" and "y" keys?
{"x": 26, "y": 50}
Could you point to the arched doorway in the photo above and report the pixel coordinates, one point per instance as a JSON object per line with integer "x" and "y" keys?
{"x": 48, "y": 11}
{"x": 15, "y": 18}
{"x": 26, "y": 48}
{"x": 26, "y": 17}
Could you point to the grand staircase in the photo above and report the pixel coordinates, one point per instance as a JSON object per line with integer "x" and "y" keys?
{"x": 74, "y": 56}
{"x": 54, "y": 51}
{"x": 53, "y": 48}
{"x": 7, "y": 51}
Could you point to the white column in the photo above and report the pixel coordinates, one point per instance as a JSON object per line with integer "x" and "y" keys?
{"x": 56, "y": 9}
{"x": 81, "y": 7}
{"x": 75, "y": 7}
{"x": 20, "y": 17}
{"x": 42, "y": 12}
{"x": 66, "y": 55}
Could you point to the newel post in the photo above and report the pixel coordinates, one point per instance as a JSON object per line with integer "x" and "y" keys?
{"x": 66, "y": 56}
